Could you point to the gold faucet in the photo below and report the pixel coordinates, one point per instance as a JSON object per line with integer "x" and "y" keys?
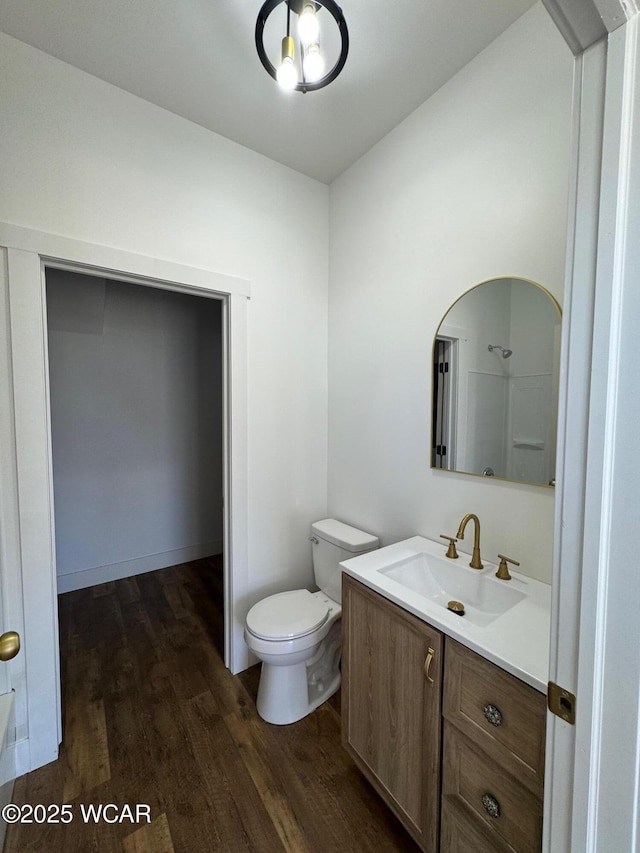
{"x": 476, "y": 561}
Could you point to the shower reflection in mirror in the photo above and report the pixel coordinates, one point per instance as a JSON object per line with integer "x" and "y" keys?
{"x": 506, "y": 353}
{"x": 496, "y": 359}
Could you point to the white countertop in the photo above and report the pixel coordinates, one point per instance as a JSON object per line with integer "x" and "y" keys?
{"x": 517, "y": 641}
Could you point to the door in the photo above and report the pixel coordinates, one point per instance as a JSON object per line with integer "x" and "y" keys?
{"x": 441, "y": 444}
{"x": 9, "y": 648}
{"x": 10, "y": 601}
{"x": 391, "y": 706}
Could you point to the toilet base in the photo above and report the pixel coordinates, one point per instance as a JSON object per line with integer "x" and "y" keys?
{"x": 286, "y": 694}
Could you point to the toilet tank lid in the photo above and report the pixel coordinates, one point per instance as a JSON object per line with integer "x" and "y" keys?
{"x": 344, "y": 536}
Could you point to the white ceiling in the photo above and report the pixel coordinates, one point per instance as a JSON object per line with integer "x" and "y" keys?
{"x": 197, "y": 58}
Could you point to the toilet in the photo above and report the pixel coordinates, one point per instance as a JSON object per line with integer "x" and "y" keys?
{"x": 297, "y": 634}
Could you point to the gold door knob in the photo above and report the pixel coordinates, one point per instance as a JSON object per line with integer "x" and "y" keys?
{"x": 9, "y": 645}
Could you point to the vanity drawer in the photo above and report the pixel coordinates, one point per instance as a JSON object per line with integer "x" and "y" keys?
{"x": 498, "y": 712}
{"x": 492, "y": 799}
{"x": 463, "y": 833}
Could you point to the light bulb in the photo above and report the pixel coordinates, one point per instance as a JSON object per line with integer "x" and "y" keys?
{"x": 313, "y": 63}
{"x": 286, "y": 75}
{"x": 308, "y": 27}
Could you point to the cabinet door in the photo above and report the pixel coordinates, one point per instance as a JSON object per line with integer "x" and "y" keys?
{"x": 391, "y": 704}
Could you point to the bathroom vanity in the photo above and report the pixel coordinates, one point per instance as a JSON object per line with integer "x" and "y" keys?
{"x": 453, "y": 742}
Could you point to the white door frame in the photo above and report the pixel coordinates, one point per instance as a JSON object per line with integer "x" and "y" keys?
{"x": 606, "y": 801}
{"x": 576, "y": 359}
{"x": 26, "y": 502}
{"x": 592, "y": 782}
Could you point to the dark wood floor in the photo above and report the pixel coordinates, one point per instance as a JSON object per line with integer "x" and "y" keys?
{"x": 152, "y": 716}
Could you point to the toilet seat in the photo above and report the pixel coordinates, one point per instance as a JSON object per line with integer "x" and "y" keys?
{"x": 287, "y": 615}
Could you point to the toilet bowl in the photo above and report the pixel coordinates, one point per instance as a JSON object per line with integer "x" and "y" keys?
{"x": 299, "y": 655}
{"x": 297, "y": 634}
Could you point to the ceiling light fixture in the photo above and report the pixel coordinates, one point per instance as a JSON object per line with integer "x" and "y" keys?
{"x": 303, "y": 69}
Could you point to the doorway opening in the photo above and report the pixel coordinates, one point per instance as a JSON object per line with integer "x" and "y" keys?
{"x": 444, "y": 414}
{"x": 27, "y": 558}
{"x": 136, "y": 376}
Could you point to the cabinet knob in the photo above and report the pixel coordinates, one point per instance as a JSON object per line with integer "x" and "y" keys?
{"x": 491, "y": 805}
{"x": 493, "y": 715}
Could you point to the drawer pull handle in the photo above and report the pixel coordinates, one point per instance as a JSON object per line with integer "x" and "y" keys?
{"x": 493, "y": 715}
{"x": 427, "y": 665}
{"x": 491, "y": 805}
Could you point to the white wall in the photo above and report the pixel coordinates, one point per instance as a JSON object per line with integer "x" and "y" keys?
{"x": 471, "y": 186}
{"x": 86, "y": 160}
{"x": 136, "y": 426}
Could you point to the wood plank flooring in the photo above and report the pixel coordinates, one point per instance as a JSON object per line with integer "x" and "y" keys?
{"x": 151, "y": 715}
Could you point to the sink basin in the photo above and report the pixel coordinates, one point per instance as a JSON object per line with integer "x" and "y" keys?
{"x": 441, "y": 580}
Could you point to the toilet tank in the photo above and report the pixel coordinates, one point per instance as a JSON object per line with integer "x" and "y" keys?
{"x": 333, "y": 541}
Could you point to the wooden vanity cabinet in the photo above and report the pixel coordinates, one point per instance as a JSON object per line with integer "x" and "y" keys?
{"x": 464, "y": 776}
{"x": 391, "y": 706}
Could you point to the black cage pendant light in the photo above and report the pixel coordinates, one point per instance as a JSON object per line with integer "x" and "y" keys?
{"x": 302, "y": 64}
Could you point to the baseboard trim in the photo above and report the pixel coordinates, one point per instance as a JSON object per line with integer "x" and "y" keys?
{"x": 129, "y": 568}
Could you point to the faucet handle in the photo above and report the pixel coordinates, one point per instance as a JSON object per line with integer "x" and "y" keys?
{"x": 503, "y": 569}
{"x": 451, "y": 550}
